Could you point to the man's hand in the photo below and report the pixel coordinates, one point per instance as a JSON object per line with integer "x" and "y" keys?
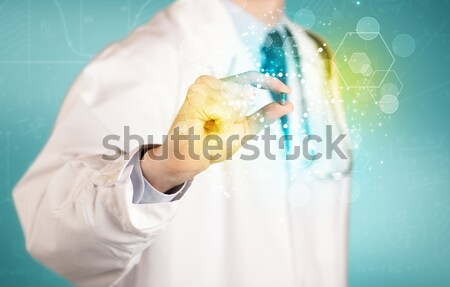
{"x": 211, "y": 126}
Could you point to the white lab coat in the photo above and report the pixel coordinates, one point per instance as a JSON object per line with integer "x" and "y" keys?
{"x": 233, "y": 227}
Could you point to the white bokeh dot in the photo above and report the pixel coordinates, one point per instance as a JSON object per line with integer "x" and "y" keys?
{"x": 404, "y": 45}
{"x": 389, "y": 89}
{"x": 388, "y": 104}
{"x": 368, "y": 28}
{"x": 305, "y": 18}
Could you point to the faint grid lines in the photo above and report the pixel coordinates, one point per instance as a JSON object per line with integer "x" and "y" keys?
{"x": 138, "y": 15}
{"x": 13, "y": 29}
{"x": 29, "y": 39}
{"x": 4, "y": 166}
{"x": 26, "y": 62}
{"x": 145, "y": 10}
{"x": 66, "y": 33}
{"x": 16, "y": 30}
{"x": 16, "y": 34}
{"x": 81, "y": 25}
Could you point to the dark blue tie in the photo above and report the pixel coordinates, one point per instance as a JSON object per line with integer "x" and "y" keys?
{"x": 273, "y": 62}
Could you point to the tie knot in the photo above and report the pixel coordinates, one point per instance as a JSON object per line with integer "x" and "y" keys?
{"x": 273, "y": 56}
{"x": 274, "y": 39}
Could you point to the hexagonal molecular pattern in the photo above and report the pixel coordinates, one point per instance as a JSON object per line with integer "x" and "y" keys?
{"x": 357, "y": 59}
{"x": 356, "y": 139}
{"x": 390, "y": 85}
{"x": 359, "y": 63}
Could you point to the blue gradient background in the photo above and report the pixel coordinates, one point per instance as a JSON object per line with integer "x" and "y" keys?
{"x": 400, "y": 216}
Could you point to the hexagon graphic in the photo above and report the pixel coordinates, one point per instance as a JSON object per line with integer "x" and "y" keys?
{"x": 356, "y": 139}
{"x": 390, "y": 85}
{"x": 359, "y": 63}
{"x": 361, "y": 161}
{"x": 357, "y": 59}
{"x": 288, "y": 43}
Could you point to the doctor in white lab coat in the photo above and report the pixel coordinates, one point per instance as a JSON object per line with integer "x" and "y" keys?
{"x": 126, "y": 222}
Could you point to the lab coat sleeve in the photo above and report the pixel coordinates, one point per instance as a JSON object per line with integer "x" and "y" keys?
{"x": 76, "y": 207}
{"x": 145, "y": 193}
